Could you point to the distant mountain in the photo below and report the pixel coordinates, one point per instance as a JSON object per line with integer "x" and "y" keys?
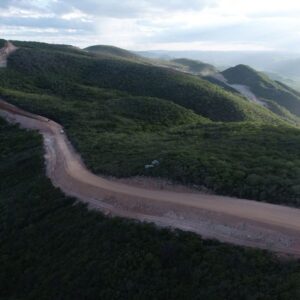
{"x": 284, "y": 64}
{"x": 262, "y": 60}
{"x": 195, "y": 66}
{"x": 264, "y": 88}
{"x": 156, "y": 55}
{"x": 290, "y": 68}
{"x": 112, "y": 51}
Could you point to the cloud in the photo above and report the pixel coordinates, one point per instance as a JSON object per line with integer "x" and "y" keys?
{"x": 49, "y": 22}
{"x": 154, "y": 23}
{"x": 130, "y": 8}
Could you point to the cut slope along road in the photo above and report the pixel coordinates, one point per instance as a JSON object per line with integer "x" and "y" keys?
{"x": 238, "y": 221}
{"x": 8, "y": 49}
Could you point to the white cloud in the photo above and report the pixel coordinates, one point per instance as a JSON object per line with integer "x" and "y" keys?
{"x": 141, "y": 24}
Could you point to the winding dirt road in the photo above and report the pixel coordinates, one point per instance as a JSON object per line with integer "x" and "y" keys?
{"x": 237, "y": 221}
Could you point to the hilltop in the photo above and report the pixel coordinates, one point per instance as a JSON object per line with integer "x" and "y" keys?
{"x": 195, "y": 66}
{"x": 264, "y": 87}
{"x": 112, "y": 51}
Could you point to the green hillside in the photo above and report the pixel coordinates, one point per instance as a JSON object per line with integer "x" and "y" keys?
{"x": 44, "y": 68}
{"x": 54, "y": 48}
{"x": 195, "y": 66}
{"x": 121, "y": 115}
{"x": 265, "y": 88}
{"x": 111, "y": 51}
{"x": 51, "y": 248}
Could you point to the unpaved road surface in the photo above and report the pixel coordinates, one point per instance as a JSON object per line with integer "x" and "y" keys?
{"x": 238, "y": 221}
{"x": 5, "y": 52}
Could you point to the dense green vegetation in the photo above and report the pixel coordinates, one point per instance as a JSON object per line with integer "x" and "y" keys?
{"x": 264, "y": 87}
{"x": 52, "y": 248}
{"x": 56, "y": 72}
{"x": 67, "y": 49}
{"x": 121, "y": 115}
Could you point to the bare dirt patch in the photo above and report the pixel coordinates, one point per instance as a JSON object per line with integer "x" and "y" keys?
{"x": 5, "y": 52}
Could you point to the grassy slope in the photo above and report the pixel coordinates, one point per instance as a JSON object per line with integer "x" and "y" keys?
{"x": 53, "y": 249}
{"x": 118, "y": 132}
{"x": 264, "y": 87}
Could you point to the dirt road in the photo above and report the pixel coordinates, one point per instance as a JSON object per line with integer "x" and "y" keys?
{"x": 237, "y": 221}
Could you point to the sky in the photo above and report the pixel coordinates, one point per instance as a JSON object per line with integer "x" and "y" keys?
{"x": 219, "y": 25}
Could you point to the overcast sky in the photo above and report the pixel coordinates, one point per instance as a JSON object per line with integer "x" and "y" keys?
{"x": 156, "y": 24}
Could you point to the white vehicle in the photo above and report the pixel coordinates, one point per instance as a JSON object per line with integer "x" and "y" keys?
{"x": 61, "y": 131}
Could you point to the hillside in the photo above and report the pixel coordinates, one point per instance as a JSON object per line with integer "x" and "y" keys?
{"x": 121, "y": 115}
{"x": 137, "y": 79}
{"x": 195, "y": 67}
{"x": 111, "y": 51}
{"x": 265, "y": 88}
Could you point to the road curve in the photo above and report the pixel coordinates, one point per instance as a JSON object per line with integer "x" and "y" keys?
{"x": 238, "y": 221}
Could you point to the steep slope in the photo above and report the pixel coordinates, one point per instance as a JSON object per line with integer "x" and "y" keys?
{"x": 195, "y": 66}
{"x": 264, "y": 88}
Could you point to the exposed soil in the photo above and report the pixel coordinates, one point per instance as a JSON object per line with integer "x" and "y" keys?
{"x": 5, "y": 52}
{"x": 242, "y": 89}
{"x": 237, "y": 221}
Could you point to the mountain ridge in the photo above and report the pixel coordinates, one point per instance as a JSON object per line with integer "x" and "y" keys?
{"x": 264, "y": 88}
